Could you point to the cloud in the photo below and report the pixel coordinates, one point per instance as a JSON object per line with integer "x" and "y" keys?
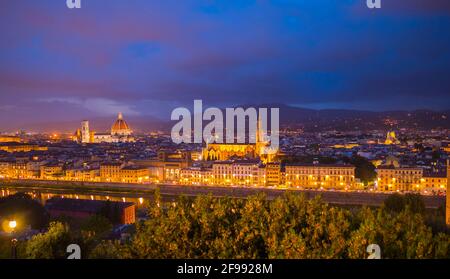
{"x": 119, "y": 56}
{"x": 100, "y": 106}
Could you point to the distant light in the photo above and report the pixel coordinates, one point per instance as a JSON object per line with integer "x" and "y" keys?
{"x": 12, "y": 224}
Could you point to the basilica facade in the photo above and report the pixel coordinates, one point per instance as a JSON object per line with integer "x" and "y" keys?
{"x": 228, "y": 151}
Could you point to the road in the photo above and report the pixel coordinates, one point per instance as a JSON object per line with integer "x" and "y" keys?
{"x": 171, "y": 191}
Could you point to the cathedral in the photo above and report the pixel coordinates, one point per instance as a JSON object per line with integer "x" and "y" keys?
{"x": 228, "y": 151}
{"x": 120, "y": 132}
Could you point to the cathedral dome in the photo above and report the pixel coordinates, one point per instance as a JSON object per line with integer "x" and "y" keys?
{"x": 120, "y": 127}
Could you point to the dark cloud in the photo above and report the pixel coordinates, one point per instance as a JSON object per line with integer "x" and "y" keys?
{"x": 146, "y": 57}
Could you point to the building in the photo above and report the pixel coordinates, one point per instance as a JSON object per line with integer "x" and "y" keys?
{"x": 447, "y": 201}
{"x": 134, "y": 174}
{"x": 391, "y": 178}
{"x": 273, "y": 175}
{"x": 167, "y": 165}
{"x": 326, "y": 176}
{"x": 434, "y": 181}
{"x": 110, "y": 172}
{"x": 12, "y": 147}
{"x": 85, "y": 132}
{"x": 81, "y": 174}
{"x": 391, "y": 138}
{"x": 197, "y": 176}
{"x": 123, "y": 212}
{"x": 120, "y": 132}
{"x": 238, "y": 172}
{"x": 229, "y": 151}
{"x": 120, "y": 128}
{"x": 4, "y": 139}
{"x": 51, "y": 172}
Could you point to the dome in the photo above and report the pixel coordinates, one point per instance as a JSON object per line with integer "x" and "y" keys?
{"x": 120, "y": 127}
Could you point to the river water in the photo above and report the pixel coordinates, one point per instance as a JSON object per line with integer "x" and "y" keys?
{"x": 44, "y": 195}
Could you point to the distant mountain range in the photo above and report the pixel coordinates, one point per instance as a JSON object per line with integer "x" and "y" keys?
{"x": 308, "y": 119}
{"x": 340, "y": 119}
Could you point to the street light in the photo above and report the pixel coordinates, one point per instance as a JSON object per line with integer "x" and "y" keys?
{"x": 12, "y": 226}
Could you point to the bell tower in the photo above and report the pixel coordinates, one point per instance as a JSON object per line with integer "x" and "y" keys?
{"x": 85, "y": 133}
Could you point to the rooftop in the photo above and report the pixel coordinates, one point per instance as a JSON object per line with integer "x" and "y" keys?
{"x": 79, "y": 205}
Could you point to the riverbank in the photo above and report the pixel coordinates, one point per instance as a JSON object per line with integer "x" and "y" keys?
{"x": 166, "y": 190}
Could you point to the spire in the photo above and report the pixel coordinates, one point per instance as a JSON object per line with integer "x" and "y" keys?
{"x": 120, "y": 116}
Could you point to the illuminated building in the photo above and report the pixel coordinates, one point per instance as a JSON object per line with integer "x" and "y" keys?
{"x": 12, "y": 147}
{"x": 167, "y": 165}
{"x": 4, "y": 168}
{"x": 110, "y": 172}
{"x": 18, "y": 170}
{"x": 392, "y": 178}
{"x": 228, "y": 151}
{"x": 51, "y": 172}
{"x": 391, "y": 138}
{"x": 82, "y": 174}
{"x": 447, "y": 201}
{"x": 85, "y": 133}
{"x": 434, "y": 182}
{"x": 118, "y": 172}
{"x": 196, "y": 176}
{"x": 4, "y": 139}
{"x": 239, "y": 172}
{"x": 120, "y": 132}
{"x": 120, "y": 127}
{"x": 225, "y": 151}
{"x": 34, "y": 168}
{"x": 446, "y": 147}
{"x": 320, "y": 176}
{"x": 273, "y": 175}
{"x": 346, "y": 146}
{"x": 134, "y": 174}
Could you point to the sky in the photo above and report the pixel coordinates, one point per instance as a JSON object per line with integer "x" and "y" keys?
{"x": 146, "y": 57}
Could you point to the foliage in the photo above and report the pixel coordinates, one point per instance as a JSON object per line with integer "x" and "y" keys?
{"x": 23, "y": 208}
{"x": 50, "y": 245}
{"x": 394, "y": 203}
{"x": 111, "y": 211}
{"x": 287, "y": 227}
{"x": 96, "y": 226}
{"x": 398, "y": 203}
{"x": 364, "y": 169}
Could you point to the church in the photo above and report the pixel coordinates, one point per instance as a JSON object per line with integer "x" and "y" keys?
{"x": 228, "y": 151}
{"x": 120, "y": 132}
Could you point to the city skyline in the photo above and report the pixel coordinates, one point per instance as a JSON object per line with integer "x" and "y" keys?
{"x": 144, "y": 59}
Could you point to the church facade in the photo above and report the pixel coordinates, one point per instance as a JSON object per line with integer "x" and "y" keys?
{"x": 228, "y": 151}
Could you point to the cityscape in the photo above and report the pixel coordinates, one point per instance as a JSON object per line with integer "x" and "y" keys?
{"x": 89, "y": 167}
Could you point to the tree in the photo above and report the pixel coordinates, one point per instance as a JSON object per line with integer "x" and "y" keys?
{"x": 415, "y": 203}
{"x": 97, "y": 226}
{"x": 397, "y": 203}
{"x": 394, "y": 203}
{"x": 50, "y": 245}
{"x": 109, "y": 250}
{"x": 289, "y": 226}
{"x": 364, "y": 169}
{"x": 23, "y": 208}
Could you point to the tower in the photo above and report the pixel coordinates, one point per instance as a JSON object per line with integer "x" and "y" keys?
{"x": 447, "y": 201}
{"x": 85, "y": 133}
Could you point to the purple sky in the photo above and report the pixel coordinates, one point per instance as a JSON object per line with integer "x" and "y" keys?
{"x": 145, "y": 57}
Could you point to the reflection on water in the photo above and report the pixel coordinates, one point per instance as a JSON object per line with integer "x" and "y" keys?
{"x": 43, "y": 195}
